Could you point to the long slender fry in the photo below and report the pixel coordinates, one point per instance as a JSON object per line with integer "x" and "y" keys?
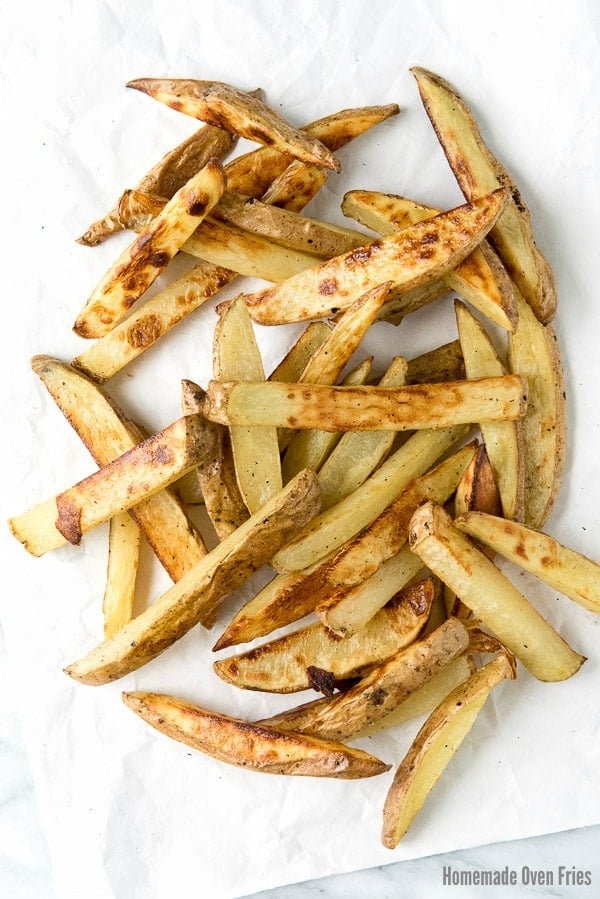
{"x": 123, "y": 558}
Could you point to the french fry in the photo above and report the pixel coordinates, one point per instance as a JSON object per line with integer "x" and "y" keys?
{"x": 198, "y": 593}
{"x": 478, "y": 171}
{"x": 564, "y": 569}
{"x": 141, "y": 263}
{"x": 294, "y": 187}
{"x": 533, "y": 353}
{"x": 411, "y": 258}
{"x": 444, "y": 363}
{"x": 434, "y": 746}
{"x": 255, "y": 449}
{"x": 503, "y": 439}
{"x": 415, "y": 407}
{"x": 123, "y": 558}
{"x": 284, "y": 665}
{"x": 490, "y": 595}
{"x": 129, "y": 479}
{"x": 296, "y": 359}
{"x": 249, "y": 745}
{"x": 480, "y": 278}
{"x": 107, "y": 433}
{"x": 227, "y": 107}
{"x": 168, "y": 175}
{"x": 383, "y": 688}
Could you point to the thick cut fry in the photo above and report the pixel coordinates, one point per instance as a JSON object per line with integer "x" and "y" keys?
{"x": 480, "y": 278}
{"x": 127, "y": 480}
{"x": 534, "y": 354}
{"x": 250, "y": 745}
{"x": 123, "y": 558}
{"x": 168, "y": 175}
{"x": 478, "y": 171}
{"x": 295, "y": 186}
{"x": 434, "y": 746}
{"x": 410, "y": 258}
{"x": 296, "y": 359}
{"x": 378, "y": 692}
{"x": 491, "y": 596}
{"x": 216, "y": 473}
{"x": 564, "y": 569}
{"x": 503, "y": 439}
{"x": 284, "y": 665}
{"x": 255, "y": 449}
{"x": 107, "y": 433}
{"x": 198, "y": 593}
{"x": 141, "y": 263}
{"x": 444, "y": 363}
{"x": 402, "y": 304}
{"x": 227, "y": 107}
{"x": 415, "y": 407}
{"x": 329, "y": 530}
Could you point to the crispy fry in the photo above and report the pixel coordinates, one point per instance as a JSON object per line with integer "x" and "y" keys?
{"x": 250, "y": 745}
{"x": 123, "y": 558}
{"x": 434, "y": 746}
{"x": 478, "y": 171}
{"x": 564, "y": 569}
{"x": 141, "y": 263}
{"x": 378, "y": 692}
{"x": 411, "y": 258}
{"x": 198, "y": 593}
{"x": 491, "y": 596}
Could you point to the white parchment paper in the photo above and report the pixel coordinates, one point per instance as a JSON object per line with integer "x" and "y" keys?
{"x": 129, "y": 813}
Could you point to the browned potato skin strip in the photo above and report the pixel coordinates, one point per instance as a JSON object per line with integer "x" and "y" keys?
{"x": 168, "y": 175}
{"x": 250, "y": 745}
{"x": 281, "y": 666}
{"x": 444, "y": 363}
{"x": 378, "y": 692}
{"x": 227, "y": 107}
{"x": 107, "y": 433}
{"x": 537, "y": 285}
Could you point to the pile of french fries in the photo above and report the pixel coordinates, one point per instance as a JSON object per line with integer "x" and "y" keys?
{"x": 380, "y": 505}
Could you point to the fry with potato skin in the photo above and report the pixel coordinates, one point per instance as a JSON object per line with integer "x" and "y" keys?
{"x": 411, "y": 258}
{"x": 434, "y": 746}
{"x": 378, "y": 692}
{"x": 198, "y": 593}
{"x": 491, "y": 596}
{"x": 141, "y": 263}
{"x": 250, "y": 745}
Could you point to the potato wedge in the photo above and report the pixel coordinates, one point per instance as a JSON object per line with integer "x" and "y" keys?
{"x": 434, "y": 746}
{"x": 283, "y": 665}
{"x": 490, "y": 595}
{"x": 129, "y": 479}
{"x": 296, "y": 359}
{"x": 141, "y": 263}
{"x": 410, "y": 258}
{"x": 534, "y": 354}
{"x": 198, "y": 593}
{"x": 415, "y": 407}
{"x": 227, "y": 107}
{"x": 107, "y": 433}
{"x": 169, "y": 174}
{"x": 503, "y": 439}
{"x": 564, "y": 569}
{"x": 123, "y": 559}
{"x": 478, "y": 171}
{"x": 376, "y": 694}
{"x": 294, "y": 187}
{"x": 250, "y": 745}
{"x": 444, "y": 363}
{"x": 480, "y": 278}
{"x": 255, "y": 449}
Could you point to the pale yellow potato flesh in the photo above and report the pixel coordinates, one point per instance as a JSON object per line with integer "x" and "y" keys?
{"x": 296, "y": 359}
{"x": 123, "y": 559}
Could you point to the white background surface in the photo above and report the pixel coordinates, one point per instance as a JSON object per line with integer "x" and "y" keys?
{"x": 126, "y": 812}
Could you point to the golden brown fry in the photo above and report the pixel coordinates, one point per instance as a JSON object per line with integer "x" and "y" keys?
{"x": 444, "y": 363}
{"x": 284, "y": 665}
{"x": 434, "y": 746}
{"x": 250, "y": 745}
{"x": 491, "y": 596}
{"x": 415, "y": 407}
{"x": 198, "y": 593}
{"x": 378, "y": 692}
{"x": 564, "y": 569}
{"x": 478, "y": 171}
{"x": 107, "y": 433}
{"x": 227, "y": 107}
{"x": 411, "y": 258}
{"x": 123, "y": 558}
